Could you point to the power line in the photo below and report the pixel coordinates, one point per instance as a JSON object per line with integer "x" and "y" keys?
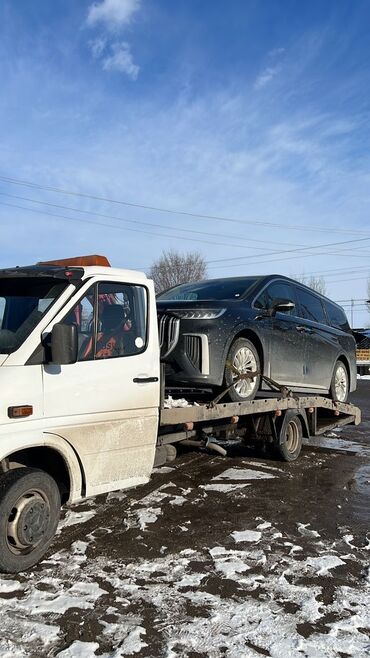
{"x": 329, "y": 244}
{"x": 141, "y": 223}
{"x": 120, "y": 228}
{"x": 279, "y": 260}
{"x": 16, "y": 181}
{"x": 325, "y": 273}
{"x": 85, "y": 221}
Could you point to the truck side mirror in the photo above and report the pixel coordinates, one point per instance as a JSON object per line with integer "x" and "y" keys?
{"x": 64, "y": 344}
{"x": 282, "y": 305}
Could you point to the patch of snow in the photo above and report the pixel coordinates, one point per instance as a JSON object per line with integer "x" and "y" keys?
{"x": 142, "y": 517}
{"x": 305, "y": 531}
{"x": 79, "y": 595}
{"x": 229, "y": 562}
{"x": 7, "y": 586}
{"x": 127, "y": 634}
{"x": 79, "y": 547}
{"x": 73, "y": 518}
{"x": 117, "y": 495}
{"x": 79, "y": 649}
{"x": 264, "y": 526}
{"x": 246, "y": 535}
{"x": 163, "y": 469}
{"x": 178, "y": 500}
{"x": 323, "y": 564}
{"x": 172, "y": 403}
{"x": 223, "y": 488}
{"x": 243, "y": 474}
{"x": 191, "y": 580}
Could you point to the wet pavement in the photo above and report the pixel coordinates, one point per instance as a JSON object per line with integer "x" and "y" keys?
{"x": 235, "y": 557}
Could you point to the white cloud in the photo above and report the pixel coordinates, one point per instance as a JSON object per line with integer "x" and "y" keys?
{"x": 97, "y": 46}
{"x": 266, "y": 76}
{"x": 121, "y": 60}
{"x": 113, "y": 14}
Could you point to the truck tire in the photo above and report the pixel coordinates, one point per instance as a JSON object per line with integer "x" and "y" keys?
{"x": 243, "y": 356}
{"x": 339, "y": 387}
{"x": 290, "y": 438}
{"x": 29, "y": 515}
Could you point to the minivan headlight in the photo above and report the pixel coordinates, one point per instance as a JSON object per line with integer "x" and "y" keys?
{"x": 199, "y": 313}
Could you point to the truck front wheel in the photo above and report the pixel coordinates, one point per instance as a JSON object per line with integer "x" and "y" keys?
{"x": 29, "y": 515}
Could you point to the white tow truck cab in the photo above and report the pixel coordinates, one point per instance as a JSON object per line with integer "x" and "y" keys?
{"x": 79, "y": 379}
{"x": 81, "y": 389}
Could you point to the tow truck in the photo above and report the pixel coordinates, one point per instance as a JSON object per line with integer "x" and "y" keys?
{"x": 83, "y": 405}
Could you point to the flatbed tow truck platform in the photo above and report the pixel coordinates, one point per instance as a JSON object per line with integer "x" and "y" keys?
{"x": 280, "y": 422}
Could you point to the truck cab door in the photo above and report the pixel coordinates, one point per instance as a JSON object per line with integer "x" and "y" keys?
{"x": 106, "y": 405}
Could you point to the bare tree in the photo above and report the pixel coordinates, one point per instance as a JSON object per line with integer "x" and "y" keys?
{"x": 315, "y": 282}
{"x": 173, "y": 268}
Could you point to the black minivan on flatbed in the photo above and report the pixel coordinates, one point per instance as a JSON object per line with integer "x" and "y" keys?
{"x": 271, "y": 325}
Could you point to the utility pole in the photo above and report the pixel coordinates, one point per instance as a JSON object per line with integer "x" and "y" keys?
{"x": 352, "y": 305}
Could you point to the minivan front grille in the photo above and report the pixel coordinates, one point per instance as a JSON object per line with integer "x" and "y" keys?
{"x": 169, "y": 331}
{"x": 193, "y": 350}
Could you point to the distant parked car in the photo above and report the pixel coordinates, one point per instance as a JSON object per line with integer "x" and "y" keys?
{"x": 269, "y": 324}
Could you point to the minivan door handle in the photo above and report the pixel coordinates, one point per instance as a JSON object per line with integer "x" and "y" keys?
{"x": 145, "y": 380}
{"x": 304, "y": 330}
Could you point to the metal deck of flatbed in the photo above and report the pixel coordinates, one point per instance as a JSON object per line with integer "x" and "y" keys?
{"x": 343, "y": 413}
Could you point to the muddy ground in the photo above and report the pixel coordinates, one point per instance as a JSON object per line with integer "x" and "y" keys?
{"x": 241, "y": 556}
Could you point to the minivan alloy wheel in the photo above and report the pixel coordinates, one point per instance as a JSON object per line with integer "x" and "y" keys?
{"x": 244, "y": 361}
{"x": 341, "y": 383}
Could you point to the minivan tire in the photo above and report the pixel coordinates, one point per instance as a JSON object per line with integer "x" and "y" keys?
{"x": 339, "y": 387}
{"x": 242, "y": 355}
{"x": 29, "y": 515}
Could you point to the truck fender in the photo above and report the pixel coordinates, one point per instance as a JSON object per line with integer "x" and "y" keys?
{"x": 48, "y": 440}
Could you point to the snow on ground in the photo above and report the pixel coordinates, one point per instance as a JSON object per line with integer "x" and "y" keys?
{"x": 256, "y": 593}
{"x": 244, "y": 474}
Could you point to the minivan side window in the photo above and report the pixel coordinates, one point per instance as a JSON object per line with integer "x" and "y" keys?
{"x": 311, "y": 306}
{"x": 337, "y": 317}
{"x": 275, "y": 290}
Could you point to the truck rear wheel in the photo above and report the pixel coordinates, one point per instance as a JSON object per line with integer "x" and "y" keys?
{"x": 29, "y": 515}
{"x": 290, "y": 439}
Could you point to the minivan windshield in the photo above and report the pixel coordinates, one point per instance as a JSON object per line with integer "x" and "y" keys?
{"x": 209, "y": 290}
{"x": 23, "y": 302}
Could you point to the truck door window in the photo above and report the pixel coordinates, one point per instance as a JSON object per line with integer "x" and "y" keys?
{"x": 111, "y": 321}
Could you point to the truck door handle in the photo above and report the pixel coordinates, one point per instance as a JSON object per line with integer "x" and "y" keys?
{"x": 144, "y": 380}
{"x": 301, "y": 329}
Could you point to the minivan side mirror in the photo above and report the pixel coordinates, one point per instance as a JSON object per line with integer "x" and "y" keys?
{"x": 64, "y": 344}
{"x": 282, "y": 305}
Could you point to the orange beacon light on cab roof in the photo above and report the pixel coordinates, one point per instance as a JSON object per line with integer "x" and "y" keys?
{"x": 101, "y": 261}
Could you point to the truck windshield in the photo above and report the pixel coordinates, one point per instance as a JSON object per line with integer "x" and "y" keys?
{"x": 23, "y": 302}
{"x": 209, "y": 290}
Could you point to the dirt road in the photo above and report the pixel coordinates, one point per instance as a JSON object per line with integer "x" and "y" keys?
{"x": 239, "y": 557}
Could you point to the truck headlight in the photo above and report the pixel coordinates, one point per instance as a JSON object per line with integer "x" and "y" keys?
{"x": 198, "y": 313}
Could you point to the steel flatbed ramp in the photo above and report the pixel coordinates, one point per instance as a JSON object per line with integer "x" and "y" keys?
{"x": 342, "y": 413}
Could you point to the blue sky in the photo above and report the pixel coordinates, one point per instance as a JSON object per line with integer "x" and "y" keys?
{"x": 248, "y": 110}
